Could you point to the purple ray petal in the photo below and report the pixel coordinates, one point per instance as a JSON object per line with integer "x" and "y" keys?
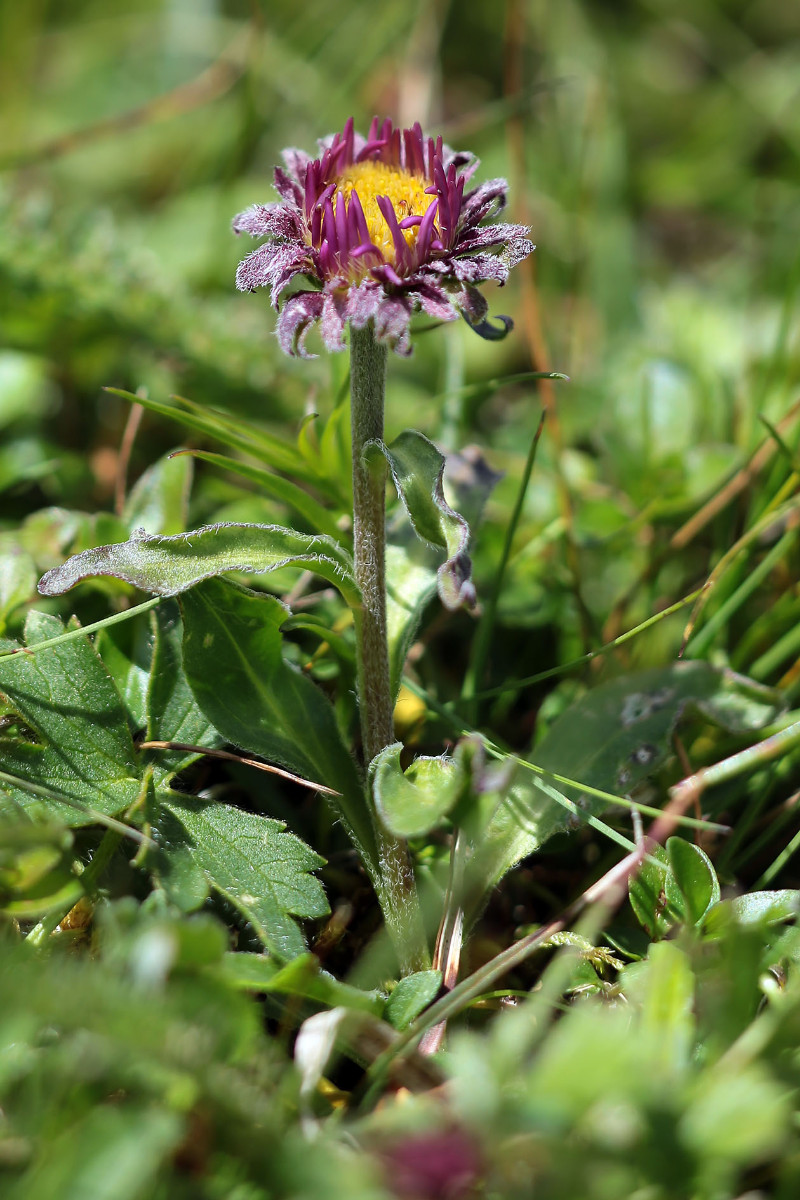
{"x": 296, "y": 317}
{"x": 400, "y": 244}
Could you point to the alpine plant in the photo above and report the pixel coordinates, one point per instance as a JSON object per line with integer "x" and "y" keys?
{"x": 377, "y": 229}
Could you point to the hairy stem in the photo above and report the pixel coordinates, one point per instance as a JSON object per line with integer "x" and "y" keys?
{"x": 396, "y": 886}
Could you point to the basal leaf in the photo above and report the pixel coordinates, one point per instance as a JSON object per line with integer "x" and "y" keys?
{"x": 417, "y": 469}
{"x": 167, "y": 566}
{"x": 253, "y": 863}
{"x": 232, "y": 654}
{"x": 71, "y": 734}
{"x": 612, "y": 739}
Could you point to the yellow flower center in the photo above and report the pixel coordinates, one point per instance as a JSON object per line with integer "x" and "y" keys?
{"x": 405, "y": 190}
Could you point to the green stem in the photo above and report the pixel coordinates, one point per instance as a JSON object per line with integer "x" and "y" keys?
{"x": 396, "y": 885}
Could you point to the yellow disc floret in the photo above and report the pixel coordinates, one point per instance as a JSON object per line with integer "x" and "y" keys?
{"x": 405, "y": 190}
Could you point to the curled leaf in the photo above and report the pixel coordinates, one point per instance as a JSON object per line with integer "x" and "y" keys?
{"x": 170, "y": 565}
{"x": 417, "y": 469}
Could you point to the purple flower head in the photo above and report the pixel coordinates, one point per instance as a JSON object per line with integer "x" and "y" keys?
{"x": 381, "y": 227}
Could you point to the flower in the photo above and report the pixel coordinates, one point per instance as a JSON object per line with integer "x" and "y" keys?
{"x": 381, "y": 228}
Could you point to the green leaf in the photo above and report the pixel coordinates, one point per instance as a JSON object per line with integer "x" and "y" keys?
{"x": 412, "y": 994}
{"x": 414, "y": 801}
{"x": 647, "y": 892}
{"x": 126, "y": 648}
{"x": 232, "y": 654}
{"x": 159, "y": 500}
{"x": 252, "y": 862}
{"x": 17, "y": 581}
{"x": 612, "y": 739}
{"x": 692, "y": 885}
{"x": 167, "y": 566}
{"x": 71, "y": 734}
{"x": 754, "y": 908}
{"x": 303, "y": 976}
{"x": 172, "y": 712}
{"x": 417, "y": 469}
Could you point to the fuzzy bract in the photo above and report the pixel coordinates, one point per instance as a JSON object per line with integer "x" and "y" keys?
{"x": 379, "y": 228}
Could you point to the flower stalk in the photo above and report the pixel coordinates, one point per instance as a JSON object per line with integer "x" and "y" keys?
{"x": 396, "y": 884}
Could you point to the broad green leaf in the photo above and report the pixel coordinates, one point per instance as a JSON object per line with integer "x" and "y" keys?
{"x": 232, "y": 654}
{"x": 17, "y": 581}
{"x": 253, "y": 863}
{"x": 172, "y": 712}
{"x": 414, "y": 801}
{"x": 269, "y": 484}
{"x": 692, "y": 885}
{"x": 412, "y": 994}
{"x": 417, "y": 469}
{"x": 71, "y": 735}
{"x": 167, "y": 566}
{"x": 159, "y": 500}
{"x": 612, "y": 739}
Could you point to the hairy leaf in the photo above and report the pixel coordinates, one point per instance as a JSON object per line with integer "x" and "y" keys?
{"x": 252, "y": 862}
{"x": 70, "y": 734}
{"x": 167, "y": 566}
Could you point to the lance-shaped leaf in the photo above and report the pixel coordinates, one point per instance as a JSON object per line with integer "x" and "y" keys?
{"x": 170, "y": 565}
{"x": 417, "y": 469}
{"x": 66, "y": 729}
{"x": 612, "y": 739}
{"x": 232, "y": 655}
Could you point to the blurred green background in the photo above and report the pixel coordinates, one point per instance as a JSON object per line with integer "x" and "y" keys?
{"x": 651, "y": 145}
